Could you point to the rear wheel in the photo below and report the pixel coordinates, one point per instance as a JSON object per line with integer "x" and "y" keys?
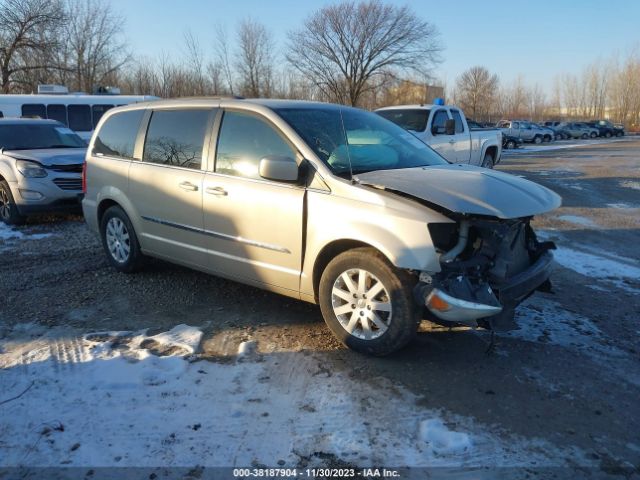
{"x": 119, "y": 240}
{"x": 367, "y": 303}
{"x": 8, "y": 209}
{"x": 585, "y": 135}
{"x": 487, "y": 162}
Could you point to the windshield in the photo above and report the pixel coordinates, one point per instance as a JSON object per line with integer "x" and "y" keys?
{"x": 415, "y": 120}
{"x": 349, "y": 140}
{"x": 34, "y": 137}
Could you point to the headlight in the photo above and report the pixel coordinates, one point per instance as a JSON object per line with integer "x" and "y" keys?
{"x": 30, "y": 169}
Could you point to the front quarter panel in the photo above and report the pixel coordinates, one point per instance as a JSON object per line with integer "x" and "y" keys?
{"x": 401, "y": 234}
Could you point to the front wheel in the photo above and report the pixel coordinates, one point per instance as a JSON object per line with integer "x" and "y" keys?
{"x": 607, "y": 135}
{"x": 367, "y": 303}
{"x": 585, "y": 136}
{"x": 510, "y": 145}
{"x": 119, "y": 240}
{"x": 594, "y": 134}
{"x": 537, "y": 140}
{"x": 8, "y": 209}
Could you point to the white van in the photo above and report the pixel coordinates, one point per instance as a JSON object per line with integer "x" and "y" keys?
{"x": 78, "y": 111}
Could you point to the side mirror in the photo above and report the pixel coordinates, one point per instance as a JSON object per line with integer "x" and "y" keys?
{"x": 279, "y": 169}
{"x": 450, "y": 127}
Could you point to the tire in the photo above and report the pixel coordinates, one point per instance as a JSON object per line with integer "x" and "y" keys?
{"x": 9, "y": 213}
{"x": 397, "y": 318}
{"x": 585, "y": 136}
{"x": 120, "y": 241}
{"x": 593, "y": 135}
{"x": 546, "y": 139}
{"x": 510, "y": 145}
{"x": 537, "y": 139}
{"x": 487, "y": 161}
{"x": 607, "y": 135}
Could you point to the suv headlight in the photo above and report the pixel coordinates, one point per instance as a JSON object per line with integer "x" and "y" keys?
{"x": 30, "y": 169}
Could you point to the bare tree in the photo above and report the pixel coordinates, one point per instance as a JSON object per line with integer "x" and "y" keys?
{"x": 28, "y": 29}
{"x": 221, "y": 47}
{"x": 476, "y": 91}
{"x": 255, "y": 58}
{"x": 195, "y": 61}
{"x": 93, "y": 39}
{"x": 345, "y": 48}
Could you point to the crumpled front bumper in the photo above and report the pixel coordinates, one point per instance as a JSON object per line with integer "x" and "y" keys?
{"x": 488, "y": 302}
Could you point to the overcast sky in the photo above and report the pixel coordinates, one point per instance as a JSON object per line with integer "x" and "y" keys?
{"x": 535, "y": 38}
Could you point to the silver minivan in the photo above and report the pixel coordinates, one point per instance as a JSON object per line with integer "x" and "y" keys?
{"x": 324, "y": 203}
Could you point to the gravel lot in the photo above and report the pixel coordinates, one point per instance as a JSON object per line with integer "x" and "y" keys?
{"x": 567, "y": 383}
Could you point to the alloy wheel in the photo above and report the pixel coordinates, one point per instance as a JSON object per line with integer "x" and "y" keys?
{"x": 361, "y": 303}
{"x": 5, "y": 205}
{"x": 118, "y": 241}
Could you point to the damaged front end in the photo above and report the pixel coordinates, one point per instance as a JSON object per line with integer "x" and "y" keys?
{"x": 488, "y": 267}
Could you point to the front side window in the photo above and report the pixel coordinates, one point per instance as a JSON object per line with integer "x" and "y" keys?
{"x": 349, "y": 140}
{"x": 32, "y": 136}
{"x": 36, "y": 110}
{"x": 415, "y": 120}
{"x": 80, "y": 118}
{"x": 117, "y": 137}
{"x": 458, "y": 119}
{"x": 57, "y": 112}
{"x": 176, "y": 137}
{"x": 439, "y": 122}
{"x": 243, "y": 141}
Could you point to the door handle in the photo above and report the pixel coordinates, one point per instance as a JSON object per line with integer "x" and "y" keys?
{"x": 188, "y": 186}
{"x": 219, "y": 191}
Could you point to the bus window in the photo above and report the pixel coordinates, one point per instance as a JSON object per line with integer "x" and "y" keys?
{"x": 98, "y": 111}
{"x": 34, "y": 110}
{"x": 80, "y": 118}
{"x": 57, "y": 112}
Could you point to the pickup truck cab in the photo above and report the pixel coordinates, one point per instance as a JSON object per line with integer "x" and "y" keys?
{"x": 527, "y": 131}
{"x": 445, "y": 129}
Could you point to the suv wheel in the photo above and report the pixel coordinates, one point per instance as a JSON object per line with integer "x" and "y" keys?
{"x": 607, "y": 135}
{"x": 367, "y": 303}
{"x": 119, "y": 240}
{"x": 585, "y": 135}
{"x": 537, "y": 139}
{"x": 593, "y": 135}
{"x": 8, "y": 209}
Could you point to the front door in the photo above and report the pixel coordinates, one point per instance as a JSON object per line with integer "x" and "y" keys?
{"x": 461, "y": 139}
{"x": 166, "y": 187}
{"x": 253, "y": 226}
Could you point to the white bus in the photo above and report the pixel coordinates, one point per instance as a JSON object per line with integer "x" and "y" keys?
{"x": 80, "y": 112}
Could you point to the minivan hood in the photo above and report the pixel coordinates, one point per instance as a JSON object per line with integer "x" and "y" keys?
{"x": 467, "y": 189}
{"x": 50, "y": 156}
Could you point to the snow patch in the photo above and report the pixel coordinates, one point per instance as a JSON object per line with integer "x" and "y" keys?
{"x": 630, "y": 184}
{"x": 131, "y": 399}
{"x": 435, "y": 434}
{"x": 621, "y": 206}
{"x": 9, "y": 234}
{"x": 577, "y": 219}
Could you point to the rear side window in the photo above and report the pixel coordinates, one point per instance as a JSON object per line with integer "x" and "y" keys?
{"x": 458, "y": 119}
{"x": 57, "y": 112}
{"x": 34, "y": 110}
{"x": 117, "y": 137}
{"x": 80, "y": 118}
{"x": 415, "y": 120}
{"x": 244, "y": 140}
{"x": 176, "y": 137}
{"x": 98, "y": 111}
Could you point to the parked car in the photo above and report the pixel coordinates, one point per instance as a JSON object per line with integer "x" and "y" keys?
{"x": 40, "y": 168}
{"x": 592, "y": 131}
{"x": 509, "y": 142}
{"x": 549, "y": 134}
{"x": 524, "y": 130}
{"x": 576, "y": 130}
{"x": 608, "y": 129}
{"x": 445, "y": 129}
{"x": 324, "y": 203}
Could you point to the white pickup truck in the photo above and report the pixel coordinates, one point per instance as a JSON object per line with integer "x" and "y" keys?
{"x": 445, "y": 129}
